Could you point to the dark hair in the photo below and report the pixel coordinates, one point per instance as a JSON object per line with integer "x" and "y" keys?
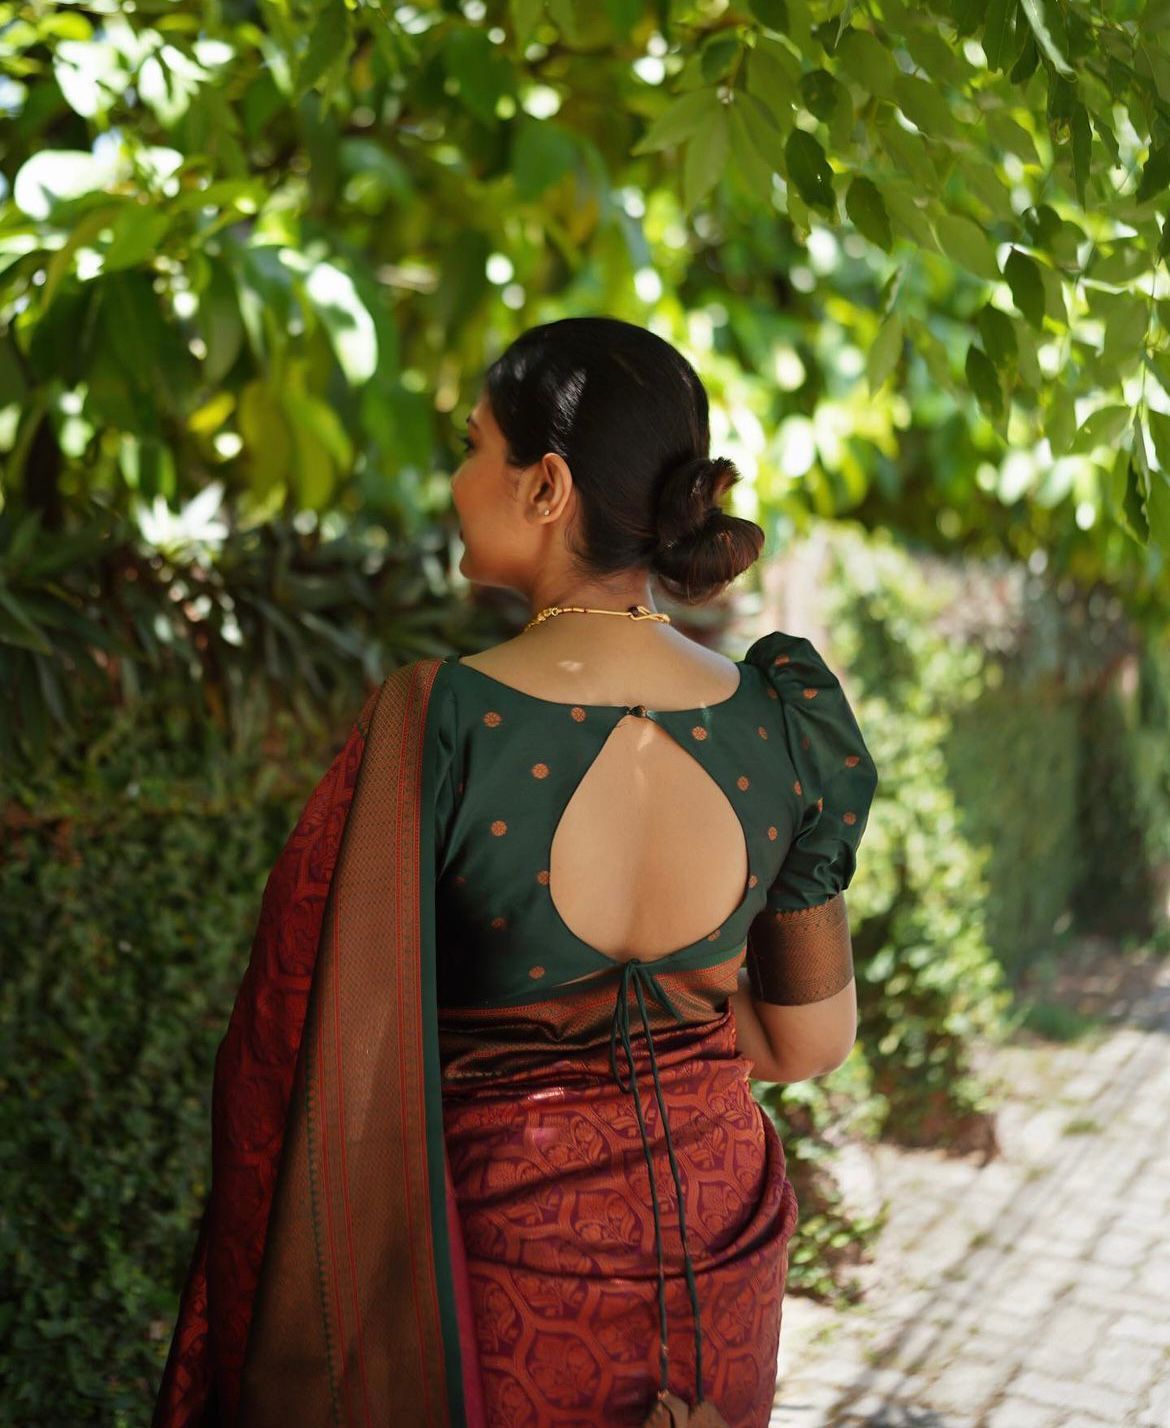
{"x": 628, "y": 414}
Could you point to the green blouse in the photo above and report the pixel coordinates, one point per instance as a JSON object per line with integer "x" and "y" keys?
{"x": 784, "y": 748}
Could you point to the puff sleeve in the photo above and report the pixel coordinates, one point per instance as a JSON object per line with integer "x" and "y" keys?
{"x": 799, "y": 948}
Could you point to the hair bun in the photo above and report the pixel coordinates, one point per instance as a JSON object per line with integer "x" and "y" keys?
{"x": 700, "y": 548}
{"x": 690, "y": 495}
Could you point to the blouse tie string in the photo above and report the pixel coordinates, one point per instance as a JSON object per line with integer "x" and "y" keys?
{"x": 637, "y": 972}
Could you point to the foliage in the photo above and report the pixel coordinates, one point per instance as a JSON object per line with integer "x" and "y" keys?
{"x": 1124, "y": 810}
{"x": 267, "y": 244}
{"x": 131, "y": 884}
{"x": 928, "y": 984}
{"x": 285, "y": 614}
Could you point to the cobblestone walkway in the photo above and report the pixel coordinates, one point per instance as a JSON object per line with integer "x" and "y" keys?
{"x": 1029, "y": 1292}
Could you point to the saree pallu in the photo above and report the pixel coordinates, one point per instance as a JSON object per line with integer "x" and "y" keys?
{"x": 352, "y": 1155}
{"x": 328, "y": 1284}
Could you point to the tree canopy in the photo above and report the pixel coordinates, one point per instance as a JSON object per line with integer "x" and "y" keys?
{"x": 254, "y": 254}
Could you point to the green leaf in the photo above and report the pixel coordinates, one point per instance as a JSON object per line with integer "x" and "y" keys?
{"x": 1155, "y": 173}
{"x": 330, "y": 42}
{"x": 868, "y": 63}
{"x": 526, "y": 15}
{"x": 717, "y": 54}
{"x": 686, "y": 116}
{"x": 883, "y": 356}
{"x": 1158, "y": 508}
{"x": 138, "y": 234}
{"x": 925, "y": 107}
{"x": 809, "y": 170}
{"x": 998, "y": 335}
{"x": 706, "y": 156}
{"x": 482, "y": 73}
{"x": 1059, "y": 426}
{"x": 17, "y": 629}
{"x": 268, "y": 442}
{"x": 542, "y": 153}
{"x": 1133, "y": 504}
{"x": 1101, "y": 428}
{"x": 219, "y": 323}
{"x": 822, "y": 93}
{"x": 984, "y": 380}
{"x": 313, "y": 472}
{"x": 346, "y": 320}
{"x": 965, "y": 242}
{"x": 863, "y": 204}
{"x": 754, "y": 169}
{"x": 773, "y": 13}
{"x": 1023, "y": 277}
{"x": 773, "y": 76}
{"x": 1047, "y": 24}
{"x": 998, "y": 37}
{"x": 760, "y": 123}
{"x": 1082, "y": 148}
{"x": 1125, "y": 331}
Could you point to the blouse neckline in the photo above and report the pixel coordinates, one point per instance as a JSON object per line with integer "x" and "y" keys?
{"x": 609, "y": 708}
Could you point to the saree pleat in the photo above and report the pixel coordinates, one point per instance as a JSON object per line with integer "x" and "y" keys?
{"x": 548, "y": 1166}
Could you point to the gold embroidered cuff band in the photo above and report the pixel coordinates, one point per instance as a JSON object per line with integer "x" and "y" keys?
{"x": 802, "y": 956}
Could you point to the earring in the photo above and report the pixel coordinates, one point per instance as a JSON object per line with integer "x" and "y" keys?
{"x": 545, "y": 511}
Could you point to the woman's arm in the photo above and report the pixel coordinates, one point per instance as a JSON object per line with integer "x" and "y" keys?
{"x": 787, "y": 1044}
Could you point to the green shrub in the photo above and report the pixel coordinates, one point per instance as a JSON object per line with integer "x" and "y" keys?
{"x": 131, "y": 883}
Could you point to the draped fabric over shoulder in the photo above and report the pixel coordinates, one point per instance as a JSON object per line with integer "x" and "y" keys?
{"x": 468, "y": 1168}
{"x": 328, "y": 1284}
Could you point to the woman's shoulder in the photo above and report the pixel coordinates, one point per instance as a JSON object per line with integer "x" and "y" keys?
{"x": 816, "y": 710}
{"x": 791, "y": 663}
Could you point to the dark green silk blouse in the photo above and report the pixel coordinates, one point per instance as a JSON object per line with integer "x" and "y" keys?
{"x": 784, "y": 748}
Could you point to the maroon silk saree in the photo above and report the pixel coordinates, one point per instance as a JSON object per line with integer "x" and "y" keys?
{"x": 331, "y": 1281}
{"x": 328, "y": 1283}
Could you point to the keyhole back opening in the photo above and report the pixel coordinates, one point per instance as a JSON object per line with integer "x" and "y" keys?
{"x": 648, "y": 856}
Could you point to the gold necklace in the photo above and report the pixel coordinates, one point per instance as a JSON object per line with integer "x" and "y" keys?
{"x": 632, "y": 612}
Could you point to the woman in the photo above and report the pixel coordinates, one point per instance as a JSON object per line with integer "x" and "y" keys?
{"x": 484, "y": 1148}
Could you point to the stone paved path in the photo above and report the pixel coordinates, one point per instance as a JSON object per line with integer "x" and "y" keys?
{"x": 1029, "y": 1292}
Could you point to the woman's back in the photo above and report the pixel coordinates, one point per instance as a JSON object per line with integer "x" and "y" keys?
{"x": 599, "y": 867}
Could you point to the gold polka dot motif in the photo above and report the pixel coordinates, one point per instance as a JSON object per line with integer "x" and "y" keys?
{"x": 781, "y": 659}
{"x": 698, "y": 732}
{"x": 577, "y": 713}
{"x": 535, "y": 972}
{"x": 542, "y": 877}
{"x": 763, "y": 733}
{"x": 492, "y": 718}
{"x": 772, "y": 693}
{"x": 809, "y": 693}
{"x": 849, "y": 818}
{"x": 772, "y": 833}
{"x": 796, "y": 788}
{"x": 752, "y": 881}
{"x": 539, "y": 770}
{"x": 851, "y": 760}
{"x": 499, "y": 828}
{"x": 498, "y": 922}
{"x": 743, "y": 781}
